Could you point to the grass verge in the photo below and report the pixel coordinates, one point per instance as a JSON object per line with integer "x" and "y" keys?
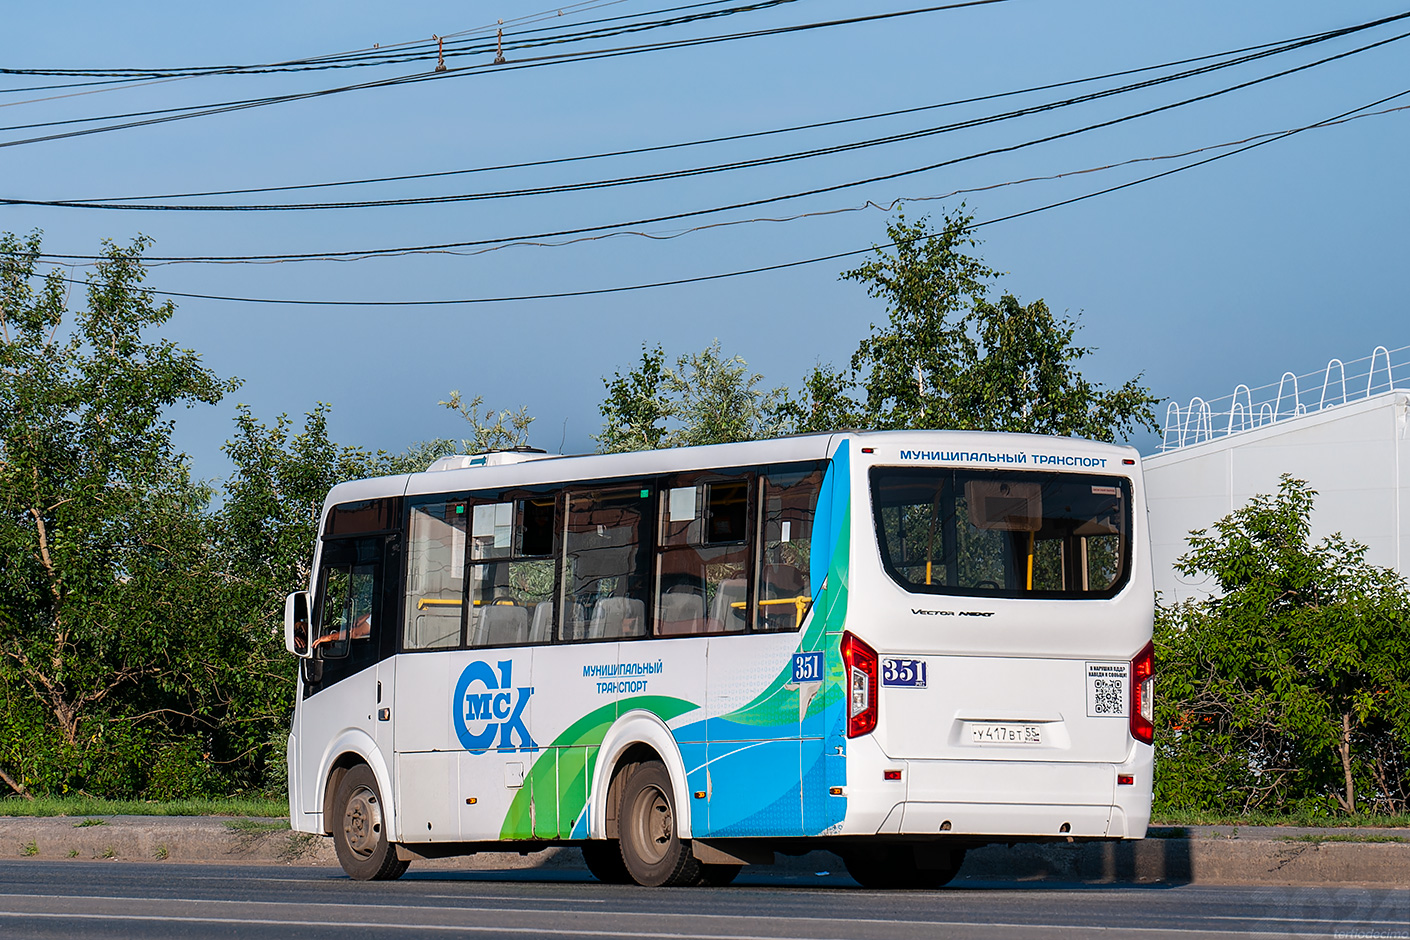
{"x": 1319, "y": 838}
{"x": 87, "y": 806}
{"x": 257, "y": 825}
{"x": 1307, "y": 820}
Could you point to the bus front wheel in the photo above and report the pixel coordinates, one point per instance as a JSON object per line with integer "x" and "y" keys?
{"x": 652, "y": 852}
{"x": 360, "y": 831}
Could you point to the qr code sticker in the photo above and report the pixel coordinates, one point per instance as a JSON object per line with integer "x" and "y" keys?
{"x": 1108, "y": 696}
{"x": 1106, "y": 689}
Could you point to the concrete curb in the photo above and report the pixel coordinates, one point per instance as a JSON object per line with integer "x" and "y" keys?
{"x": 1202, "y": 855}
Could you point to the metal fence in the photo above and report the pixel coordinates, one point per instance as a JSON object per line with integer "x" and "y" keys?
{"x": 1290, "y": 397}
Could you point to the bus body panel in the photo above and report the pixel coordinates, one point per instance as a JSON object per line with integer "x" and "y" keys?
{"x": 998, "y": 664}
{"x": 520, "y": 743}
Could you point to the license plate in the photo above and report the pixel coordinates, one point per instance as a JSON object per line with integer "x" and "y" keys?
{"x": 1006, "y": 734}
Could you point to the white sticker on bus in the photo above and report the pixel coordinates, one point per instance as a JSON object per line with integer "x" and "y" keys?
{"x": 1106, "y": 689}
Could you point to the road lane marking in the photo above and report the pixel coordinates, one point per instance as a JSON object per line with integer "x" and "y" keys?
{"x": 572, "y": 932}
{"x": 512, "y": 897}
{"x": 926, "y": 918}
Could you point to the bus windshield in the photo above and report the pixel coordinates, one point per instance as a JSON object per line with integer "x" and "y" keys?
{"x": 1002, "y": 533}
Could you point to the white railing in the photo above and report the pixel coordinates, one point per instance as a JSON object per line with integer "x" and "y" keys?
{"x": 1292, "y": 395}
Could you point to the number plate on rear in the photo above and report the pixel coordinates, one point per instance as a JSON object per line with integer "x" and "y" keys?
{"x": 903, "y": 672}
{"x": 987, "y": 733}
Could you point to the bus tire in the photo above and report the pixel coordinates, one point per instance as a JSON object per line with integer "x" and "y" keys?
{"x": 884, "y": 866}
{"x": 604, "y": 860}
{"x": 359, "y": 830}
{"x": 652, "y": 852}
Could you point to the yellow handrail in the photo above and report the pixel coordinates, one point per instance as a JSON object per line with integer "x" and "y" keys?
{"x": 801, "y": 603}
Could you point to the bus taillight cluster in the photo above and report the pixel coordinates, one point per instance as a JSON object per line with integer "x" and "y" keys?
{"x": 861, "y": 664}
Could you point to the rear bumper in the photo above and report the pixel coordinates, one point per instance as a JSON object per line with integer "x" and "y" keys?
{"x": 1017, "y": 799}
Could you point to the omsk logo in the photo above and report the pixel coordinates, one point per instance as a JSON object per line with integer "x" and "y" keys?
{"x": 486, "y": 704}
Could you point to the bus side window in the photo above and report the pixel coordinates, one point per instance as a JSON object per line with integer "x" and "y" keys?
{"x": 435, "y": 575}
{"x": 703, "y": 556}
{"x": 789, "y": 499}
{"x": 345, "y": 614}
{"x": 607, "y": 563}
{"x": 511, "y": 571}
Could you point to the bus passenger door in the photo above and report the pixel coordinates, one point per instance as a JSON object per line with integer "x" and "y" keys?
{"x": 343, "y": 683}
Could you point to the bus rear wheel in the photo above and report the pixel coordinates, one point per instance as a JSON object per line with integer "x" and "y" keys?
{"x": 884, "y": 866}
{"x": 360, "y": 831}
{"x": 652, "y": 852}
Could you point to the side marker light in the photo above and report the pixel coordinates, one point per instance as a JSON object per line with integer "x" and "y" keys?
{"x": 1125, "y": 780}
{"x": 891, "y": 775}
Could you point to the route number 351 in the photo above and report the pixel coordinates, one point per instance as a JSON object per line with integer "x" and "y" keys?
{"x": 906, "y": 672}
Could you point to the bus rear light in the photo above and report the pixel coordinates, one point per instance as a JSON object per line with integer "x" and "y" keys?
{"x": 1143, "y": 695}
{"x": 860, "y": 662}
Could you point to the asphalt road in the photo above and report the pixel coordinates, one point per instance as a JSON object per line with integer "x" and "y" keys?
{"x": 124, "y": 899}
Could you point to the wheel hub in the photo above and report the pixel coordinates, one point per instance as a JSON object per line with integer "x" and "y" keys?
{"x": 362, "y": 822}
{"x": 658, "y": 825}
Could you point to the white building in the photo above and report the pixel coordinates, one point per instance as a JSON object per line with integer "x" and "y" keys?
{"x": 1347, "y": 432}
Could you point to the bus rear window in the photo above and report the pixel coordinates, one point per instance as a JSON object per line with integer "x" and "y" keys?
{"x": 1002, "y": 533}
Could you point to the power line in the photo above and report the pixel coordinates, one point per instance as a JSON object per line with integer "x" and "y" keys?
{"x": 143, "y": 76}
{"x": 716, "y": 168}
{"x": 1282, "y": 46}
{"x": 534, "y": 62}
{"x": 146, "y": 78}
{"x": 368, "y": 253}
{"x": 397, "y": 53}
{"x": 763, "y": 268}
{"x": 869, "y": 204}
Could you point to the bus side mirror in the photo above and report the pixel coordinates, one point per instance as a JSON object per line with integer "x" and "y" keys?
{"x": 296, "y": 625}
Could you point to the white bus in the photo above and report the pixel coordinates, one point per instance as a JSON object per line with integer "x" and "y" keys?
{"x": 893, "y": 645}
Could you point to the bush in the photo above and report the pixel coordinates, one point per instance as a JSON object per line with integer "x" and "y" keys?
{"x": 1289, "y": 690}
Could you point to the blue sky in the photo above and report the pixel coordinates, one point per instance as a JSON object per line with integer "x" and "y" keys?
{"x": 1274, "y": 259}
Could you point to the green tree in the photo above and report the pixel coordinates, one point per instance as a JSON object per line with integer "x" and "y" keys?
{"x": 1290, "y": 687}
{"x": 101, "y": 533}
{"x": 823, "y": 403}
{"x": 268, "y": 522}
{"x": 265, "y": 531}
{"x": 705, "y": 398}
{"x": 490, "y": 430}
{"x": 636, "y": 409}
{"x": 949, "y": 358}
{"x": 716, "y": 399}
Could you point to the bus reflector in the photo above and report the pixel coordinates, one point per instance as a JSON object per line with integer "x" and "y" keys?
{"x": 891, "y": 775}
{"x": 860, "y": 663}
{"x": 1143, "y": 695}
{"x": 1125, "y": 780}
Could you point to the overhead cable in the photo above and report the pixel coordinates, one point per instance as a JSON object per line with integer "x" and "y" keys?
{"x": 1263, "y": 48}
{"x": 557, "y": 295}
{"x": 672, "y": 217}
{"x": 513, "y": 65}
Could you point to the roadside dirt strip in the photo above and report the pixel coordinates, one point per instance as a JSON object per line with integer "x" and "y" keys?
{"x": 1197, "y": 854}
